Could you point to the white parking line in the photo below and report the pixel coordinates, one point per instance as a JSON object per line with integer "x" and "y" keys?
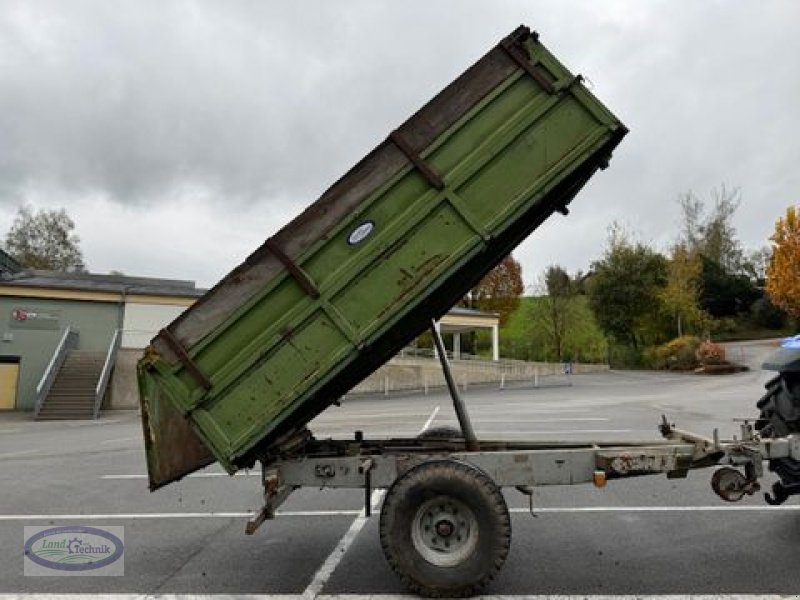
{"x": 324, "y": 573}
{"x": 192, "y": 476}
{"x": 560, "y": 431}
{"x": 655, "y": 509}
{"x": 352, "y": 415}
{"x": 523, "y": 419}
{"x": 352, "y": 512}
{"x": 430, "y": 419}
{"x": 334, "y": 558}
{"x": 476, "y": 407}
{"x": 127, "y": 439}
{"x": 19, "y": 453}
{"x": 176, "y": 515}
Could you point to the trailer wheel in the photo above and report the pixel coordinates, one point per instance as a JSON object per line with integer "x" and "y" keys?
{"x": 441, "y": 432}
{"x": 445, "y": 529}
{"x": 780, "y": 416}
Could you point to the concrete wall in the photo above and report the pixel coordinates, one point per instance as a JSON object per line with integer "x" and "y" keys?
{"x": 124, "y": 391}
{"x": 31, "y": 329}
{"x": 143, "y": 321}
{"x": 140, "y": 325}
{"x": 399, "y": 374}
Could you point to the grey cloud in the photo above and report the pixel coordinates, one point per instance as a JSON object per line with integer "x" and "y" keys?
{"x": 247, "y": 103}
{"x": 250, "y": 99}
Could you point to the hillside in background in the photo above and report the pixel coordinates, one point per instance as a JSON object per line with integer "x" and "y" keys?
{"x": 528, "y": 333}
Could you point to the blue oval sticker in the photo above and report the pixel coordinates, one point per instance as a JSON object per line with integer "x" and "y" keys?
{"x": 74, "y": 548}
{"x": 360, "y": 233}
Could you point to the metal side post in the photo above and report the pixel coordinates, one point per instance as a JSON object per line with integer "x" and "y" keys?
{"x": 458, "y": 404}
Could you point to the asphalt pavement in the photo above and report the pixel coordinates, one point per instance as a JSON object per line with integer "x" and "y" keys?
{"x": 641, "y": 536}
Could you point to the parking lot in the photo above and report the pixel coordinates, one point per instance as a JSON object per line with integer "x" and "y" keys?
{"x": 641, "y": 536}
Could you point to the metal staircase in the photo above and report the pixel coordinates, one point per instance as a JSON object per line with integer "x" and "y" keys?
{"x": 73, "y": 393}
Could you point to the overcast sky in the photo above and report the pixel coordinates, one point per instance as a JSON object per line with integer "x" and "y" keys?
{"x": 179, "y": 135}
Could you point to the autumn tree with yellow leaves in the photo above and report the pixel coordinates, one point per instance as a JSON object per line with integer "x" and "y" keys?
{"x": 783, "y": 273}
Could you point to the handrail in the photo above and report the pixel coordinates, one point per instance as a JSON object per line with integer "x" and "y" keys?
{"x": 68, "y": 340}
{"x": 105, "y": 374}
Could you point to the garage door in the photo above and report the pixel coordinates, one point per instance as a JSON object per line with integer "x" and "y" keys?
{"x": 9, "y": 374}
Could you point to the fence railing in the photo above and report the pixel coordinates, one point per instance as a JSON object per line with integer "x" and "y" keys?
{"x": 69, "y": 340}
{"x": 418, "y": 374}
{"x": 105, "y": 374}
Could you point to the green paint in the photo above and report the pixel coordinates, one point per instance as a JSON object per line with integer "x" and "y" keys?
{"x": 499, "y": 162}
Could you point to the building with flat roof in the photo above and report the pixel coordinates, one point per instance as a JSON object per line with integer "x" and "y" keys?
{"x": 93, "y": 318}
{"x": 460, "y": 320}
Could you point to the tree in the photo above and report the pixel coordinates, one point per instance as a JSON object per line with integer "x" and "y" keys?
{"x": 681, "y": 294}
{"x": 727, "y": 277}
{"x": 783, "y": 273}
{"x": 556, "y": 311}
{"x": 723, "y": 294}
{"x": 765, "y": 314}
{"x": 711, "y": 233}
{"x": 757, "y": 263}
{"x": 524, "y": 337}
{"x": 500, "y": 290}
{"x": 44, "y": 240}
{"x": 557, "y": 281}
{"x": 625, "y": 287}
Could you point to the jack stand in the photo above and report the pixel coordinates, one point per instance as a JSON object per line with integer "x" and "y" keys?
{"x": 275, "y": 492}
{"x": 528, "y": 491}
{"x": 365, "y": 468}
{"x": 461, "y": 410}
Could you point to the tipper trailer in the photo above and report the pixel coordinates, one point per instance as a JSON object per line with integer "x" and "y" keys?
{"x": 360, "y": 273}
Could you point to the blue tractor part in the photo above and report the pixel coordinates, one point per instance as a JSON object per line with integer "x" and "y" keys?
{"x": 785, "y": 359}
{"x": 780, "y": 414}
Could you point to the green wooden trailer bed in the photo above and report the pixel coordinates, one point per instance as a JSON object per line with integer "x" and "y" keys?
{"x": 396, "y": 241}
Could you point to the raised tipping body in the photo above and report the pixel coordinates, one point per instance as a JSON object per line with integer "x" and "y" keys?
{"x": 395, "y": 242}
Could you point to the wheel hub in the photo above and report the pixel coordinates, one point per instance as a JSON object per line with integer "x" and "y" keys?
{"x": 444, "y": 528}
{"x": 444, "y": 531}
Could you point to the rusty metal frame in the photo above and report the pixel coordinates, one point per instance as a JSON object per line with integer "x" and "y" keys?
{"x": 300, "y": 276}
{"x": 186, "y": 360}
{"x": 519, "y": 55}
{"x": 431, "y": 176}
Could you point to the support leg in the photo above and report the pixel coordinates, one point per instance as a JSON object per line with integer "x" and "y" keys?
{"x": 458, "y": 404}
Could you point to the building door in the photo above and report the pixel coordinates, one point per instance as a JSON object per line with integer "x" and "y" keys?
{"x": 9, "y": 375}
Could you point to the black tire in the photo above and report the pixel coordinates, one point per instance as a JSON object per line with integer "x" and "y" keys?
{"x": 441, "y": 432}
{"x": 445, "y": 529}
{"x": 780, "y": 416}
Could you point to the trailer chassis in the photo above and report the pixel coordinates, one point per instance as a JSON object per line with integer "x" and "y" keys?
{"x": 444, "y": 524}
{"x": 370, "y": 464}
